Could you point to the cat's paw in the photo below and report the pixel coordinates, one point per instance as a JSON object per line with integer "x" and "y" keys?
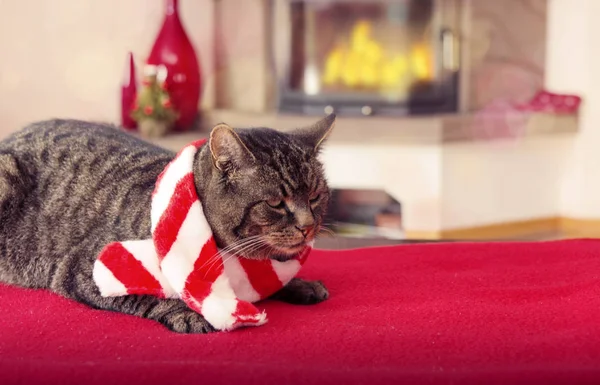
{"x": 315, "y": 292}
{"x": 301, "y": 292}
{"x": 187, "y": 321}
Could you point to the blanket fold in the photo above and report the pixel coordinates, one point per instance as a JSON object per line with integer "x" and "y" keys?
{"x": 182, "y": 260}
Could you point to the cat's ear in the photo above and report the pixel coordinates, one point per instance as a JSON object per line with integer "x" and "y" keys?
{"x": 315, "y": 135}
{"x": 228, "y": 151}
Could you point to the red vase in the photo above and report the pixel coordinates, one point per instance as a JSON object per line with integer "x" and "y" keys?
{"x": 128, "y": 94}
{"x": 173, "y": 49}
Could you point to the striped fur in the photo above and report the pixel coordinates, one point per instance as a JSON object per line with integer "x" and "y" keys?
{"x": 68, "y": 188}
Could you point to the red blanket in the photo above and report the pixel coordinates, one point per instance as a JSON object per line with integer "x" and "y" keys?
{"x": 506, "y": 313}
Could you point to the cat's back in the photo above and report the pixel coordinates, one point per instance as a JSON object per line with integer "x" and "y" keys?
{"x": 69, "y": 175}
{"x": 58, "y": 138}
{"x": 54, "y": 151}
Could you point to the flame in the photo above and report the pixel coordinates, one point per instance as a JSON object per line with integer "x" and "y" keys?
{"x": 363, "y": 62}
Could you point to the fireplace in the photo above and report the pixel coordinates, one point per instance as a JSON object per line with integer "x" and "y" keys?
{"x": 366, "y": 57}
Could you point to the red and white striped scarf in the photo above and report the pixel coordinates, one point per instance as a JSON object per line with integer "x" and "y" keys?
{"x": 182, "y": 259}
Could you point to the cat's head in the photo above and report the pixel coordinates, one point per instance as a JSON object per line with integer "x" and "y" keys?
{"x": 264, "y": 191}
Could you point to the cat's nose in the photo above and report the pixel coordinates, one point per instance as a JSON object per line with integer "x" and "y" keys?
{"x": 305, "y": 230}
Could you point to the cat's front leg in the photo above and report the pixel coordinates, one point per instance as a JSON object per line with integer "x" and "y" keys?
{"x": 302, "y": 292}
{"x": 178, "y": 317}
{"x": 174, "y": 314}
{"x": 73, "y": 279}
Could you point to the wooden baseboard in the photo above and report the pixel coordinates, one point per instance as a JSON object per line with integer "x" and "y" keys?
{"x": 580, "y": 228}
{"x": 551, "y": 227}
{"x": 417, "y": 234}
{"x": 506, "y": 230}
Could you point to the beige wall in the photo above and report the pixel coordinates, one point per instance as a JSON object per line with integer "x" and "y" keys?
{"x": 245, "y": 81}
{"x": 573, "y": 66}
{"x": 66, "y": 58}
{"x": 502, "y": 181}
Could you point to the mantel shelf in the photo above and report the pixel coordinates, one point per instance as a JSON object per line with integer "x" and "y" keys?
{"x": 389, "y": 131}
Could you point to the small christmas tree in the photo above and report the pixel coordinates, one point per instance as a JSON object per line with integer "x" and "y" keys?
{"x": 153, "y": 109}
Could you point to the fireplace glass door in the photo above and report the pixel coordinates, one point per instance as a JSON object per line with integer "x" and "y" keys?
{"x": 366, "y": 57}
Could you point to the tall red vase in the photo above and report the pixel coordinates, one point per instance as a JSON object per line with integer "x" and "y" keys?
{"x": 184, "y": 80}
{"x": 128, "y": 94}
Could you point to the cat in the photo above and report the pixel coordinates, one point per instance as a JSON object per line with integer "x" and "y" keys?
{"x": 69, "y": 187}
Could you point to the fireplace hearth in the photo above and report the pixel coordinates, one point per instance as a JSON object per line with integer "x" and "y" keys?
{"x": 366, "y": 57}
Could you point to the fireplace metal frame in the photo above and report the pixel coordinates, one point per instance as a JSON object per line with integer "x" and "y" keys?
{"x": 443, "y": 98}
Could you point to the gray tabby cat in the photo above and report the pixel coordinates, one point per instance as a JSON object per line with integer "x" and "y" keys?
{"x": 68, "y": 188}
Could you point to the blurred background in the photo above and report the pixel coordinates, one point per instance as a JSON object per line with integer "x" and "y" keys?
{"x": 457, "y": 119}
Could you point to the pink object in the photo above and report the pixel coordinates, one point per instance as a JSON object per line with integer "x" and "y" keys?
{"x": 552, "y": 103}
{"x": 128, "y": 94}
{"x": 498, "y": 119}
{"x": 173, "y": 49}
{"x": 182, "y": 259}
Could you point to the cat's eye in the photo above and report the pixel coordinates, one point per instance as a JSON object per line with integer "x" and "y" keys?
{"x": 276, "y": 203}
{"x": 314, "y": 198}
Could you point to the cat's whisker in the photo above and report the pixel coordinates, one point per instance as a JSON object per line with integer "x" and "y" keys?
{"x": 238, "y": 248}
{"x": 328, "y": 231}
{"x": 228, "y": 257}
{"x": 215, "y": 257}
{"x": 209, "y": 260}
{"x": 234, "y": 250}
{"x": 251, "y": 247}
{"x": 239, "y": 243}
{"x": 247, "y": 249}
{"x": 257, "y": 247}
{"x": 223, "y": 258}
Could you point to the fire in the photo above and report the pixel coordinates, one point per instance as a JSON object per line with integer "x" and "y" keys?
{"x": 363, "y": 62}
